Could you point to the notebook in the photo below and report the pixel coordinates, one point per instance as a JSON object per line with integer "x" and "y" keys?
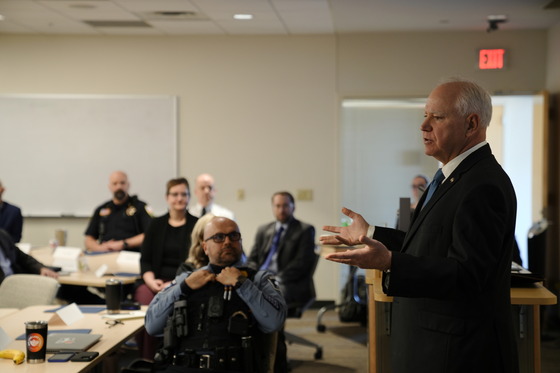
{"x": 71, "y": 342}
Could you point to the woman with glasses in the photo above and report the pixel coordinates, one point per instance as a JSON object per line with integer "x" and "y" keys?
{"x": 165, "y": 247}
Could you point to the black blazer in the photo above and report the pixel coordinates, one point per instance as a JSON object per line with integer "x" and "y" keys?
{"x": 21, "y": 262}
{"x": 451, "y": 275}
{"x": 296, "y": 260}
{"x": 154, "y": 239}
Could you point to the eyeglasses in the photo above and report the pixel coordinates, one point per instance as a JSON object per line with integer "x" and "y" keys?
{"x": 178, "y": 194}
{"x": 112, "y": 323}
{"x": 221, "y": 237}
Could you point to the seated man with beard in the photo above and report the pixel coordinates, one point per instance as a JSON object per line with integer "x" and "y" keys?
{"x": 116, "y": 225}
{"x": 120, "y": 223}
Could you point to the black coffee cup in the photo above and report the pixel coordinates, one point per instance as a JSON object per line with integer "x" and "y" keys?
{"x": 36, "y": 341}
{"x": 113, "y": 295}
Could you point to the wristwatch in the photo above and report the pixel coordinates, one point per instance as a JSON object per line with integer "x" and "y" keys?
{"x": 125, "y": 244}
{"x": 240, "y": 280}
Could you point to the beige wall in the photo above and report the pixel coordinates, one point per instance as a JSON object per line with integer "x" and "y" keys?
{"x": 260, "y": 113}
{"x": 553, "y": 60}
{"x": 397, "y": 64}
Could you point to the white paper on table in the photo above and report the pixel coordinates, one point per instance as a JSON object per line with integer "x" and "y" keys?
{"x": 129, "y": 261}
{"x": 99, "y": 272}
{"x": 125, "y": 315}
{"x": 67, "y": 258}
{"x": 70, "y": 313}
{"x": 24, "y": 246}
{"x": 5, "y": 339}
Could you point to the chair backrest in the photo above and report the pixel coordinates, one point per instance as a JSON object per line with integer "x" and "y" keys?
{"x": 22, "y": 290}
{"x": 295, "y": 310}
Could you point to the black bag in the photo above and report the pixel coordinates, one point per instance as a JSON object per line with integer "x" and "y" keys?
{"x": 354, "y": 298}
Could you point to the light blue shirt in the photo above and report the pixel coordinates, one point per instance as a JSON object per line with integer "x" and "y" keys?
{"x": 5, "y": 264}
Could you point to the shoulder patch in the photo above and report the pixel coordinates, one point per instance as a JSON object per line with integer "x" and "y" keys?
{"x": 149, "y": 210}
{"x": 274, "y": 283}
{"x": 105, "y": 211}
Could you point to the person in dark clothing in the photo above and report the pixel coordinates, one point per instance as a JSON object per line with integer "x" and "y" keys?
{"x": 120, "y": 223}
{"x": 165, "y": 247}
{"x": 13, "y": 260}
{"x": 11, "y": 219}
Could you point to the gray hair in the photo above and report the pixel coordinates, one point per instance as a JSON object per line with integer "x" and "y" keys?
{"x": 473, "y": 99}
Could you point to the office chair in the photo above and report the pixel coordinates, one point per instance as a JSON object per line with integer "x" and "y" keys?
{"x": 22, "y": 290}
{"x": 297, "y": 310}
{"x": 353, "y": 307}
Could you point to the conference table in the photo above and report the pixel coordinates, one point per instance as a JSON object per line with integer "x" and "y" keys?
{"x": 527, "y": 325}
{"x": 7, "y": 311}
{"x": 114, "y": 335}
{"x": 127, "y": 273}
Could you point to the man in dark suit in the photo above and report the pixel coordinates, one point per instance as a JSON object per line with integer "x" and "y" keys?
{"x": 13, "y": 260}
{"x": 294, "y": 256}
{"x": 11, "y": 219}
{"x": 450, "y": 273}
{"x": 286, "y": 247}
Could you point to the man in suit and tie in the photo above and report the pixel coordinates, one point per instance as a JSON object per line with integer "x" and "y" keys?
{"x": 450, "y": 273}
{"x": 287, "y": 248}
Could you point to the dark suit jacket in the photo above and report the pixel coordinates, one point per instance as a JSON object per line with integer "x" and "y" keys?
{"x": 11, "y": 220}
{"x": 21, "y": 262}
{"x": 296, "y": 259}
{"x": 451, "y": 275}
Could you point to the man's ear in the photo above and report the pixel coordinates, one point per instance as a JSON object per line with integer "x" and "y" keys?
{"x": 473, "y": 124}
{"x": 204, "y": 247}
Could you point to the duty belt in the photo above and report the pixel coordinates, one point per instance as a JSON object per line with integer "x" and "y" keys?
{"x": 225, "y": 359}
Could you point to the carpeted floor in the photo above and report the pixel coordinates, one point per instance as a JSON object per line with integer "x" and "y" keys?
{"x": 344, "y": 347}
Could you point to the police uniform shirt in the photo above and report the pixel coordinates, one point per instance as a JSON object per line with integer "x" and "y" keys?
{"x": 261, "y": 294}
{"x": 119, "y": 222}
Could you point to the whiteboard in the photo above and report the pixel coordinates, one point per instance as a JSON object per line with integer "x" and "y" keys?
{"x": 57, "y": 151}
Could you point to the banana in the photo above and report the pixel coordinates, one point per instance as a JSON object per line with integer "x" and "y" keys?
{"x": 16, "y": 355}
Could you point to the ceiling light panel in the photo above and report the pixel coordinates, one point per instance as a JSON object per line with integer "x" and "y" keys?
{"x": 225, "y": 9}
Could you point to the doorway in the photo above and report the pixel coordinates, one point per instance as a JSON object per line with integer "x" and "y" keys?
{"x": 381, "y": 150}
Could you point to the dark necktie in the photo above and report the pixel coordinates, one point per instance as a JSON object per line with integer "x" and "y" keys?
{"x": 436, "y": 182}
{"x": 273, "y": 248}
{"x": 203, "y": 212}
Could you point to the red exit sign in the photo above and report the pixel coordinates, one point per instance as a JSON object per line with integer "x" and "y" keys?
{"x": 491, "y": 59}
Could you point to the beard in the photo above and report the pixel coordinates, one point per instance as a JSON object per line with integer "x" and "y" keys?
{"x": 119, "y": 195}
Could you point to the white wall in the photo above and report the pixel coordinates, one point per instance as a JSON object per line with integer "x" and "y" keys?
{"x": 260, "y": 113}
